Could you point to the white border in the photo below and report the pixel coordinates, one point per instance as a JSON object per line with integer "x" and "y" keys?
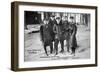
{"x": 33, "y": 64}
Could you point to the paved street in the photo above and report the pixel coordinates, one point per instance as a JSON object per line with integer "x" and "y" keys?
{"x": 34, "y": 50}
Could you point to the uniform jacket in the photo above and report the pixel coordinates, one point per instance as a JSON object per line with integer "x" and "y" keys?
{"x": 66, "y": 29}
{"x": 59, "y": 30}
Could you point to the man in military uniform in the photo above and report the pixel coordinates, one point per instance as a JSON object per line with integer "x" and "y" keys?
{"x": 50, "y": 25}
{"x": 58, "y": 30}
{"x": 73, "y": 32}
{"x": 66, "y": 30}
{"x": 46, "y": 36}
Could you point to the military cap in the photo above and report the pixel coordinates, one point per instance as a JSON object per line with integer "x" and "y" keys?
{"x": 52, "y": 15}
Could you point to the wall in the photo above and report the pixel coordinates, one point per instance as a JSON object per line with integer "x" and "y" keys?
{"x": 5, "y": 40}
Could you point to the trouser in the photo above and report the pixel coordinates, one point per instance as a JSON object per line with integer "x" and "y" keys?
{"x": 56, "y": 42}
{"x": 73, "y": 50}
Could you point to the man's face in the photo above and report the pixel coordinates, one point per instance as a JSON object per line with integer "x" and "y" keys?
{"x": 64, "y": 18}
{"x": 58, "y": 20}
{"x": 72, "y": 20}
{"x": 52, "y": 18}
{"x": 44, "y": 22}
{"x": 47, "y": 21}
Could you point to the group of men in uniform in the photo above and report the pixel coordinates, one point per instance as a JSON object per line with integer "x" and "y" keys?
{"x": 57, "y": 29}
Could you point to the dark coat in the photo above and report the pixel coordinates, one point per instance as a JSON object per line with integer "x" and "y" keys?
{"x": 73, "y": 32}
{"x": 46, "y": 37}
{"x": 59, "y": 31}
{"x": 51, "y": 25}
{"x": 66, "y": 29}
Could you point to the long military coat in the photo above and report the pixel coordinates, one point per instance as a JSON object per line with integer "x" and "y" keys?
{"x": 73, "y": 32}
{"x": 45, "y": 35}
{"x": 51, "y": 25}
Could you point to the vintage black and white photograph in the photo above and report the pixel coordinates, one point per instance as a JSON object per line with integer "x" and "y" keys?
{"x": 52, "y": 36}
{"x": 56, "y": 36}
